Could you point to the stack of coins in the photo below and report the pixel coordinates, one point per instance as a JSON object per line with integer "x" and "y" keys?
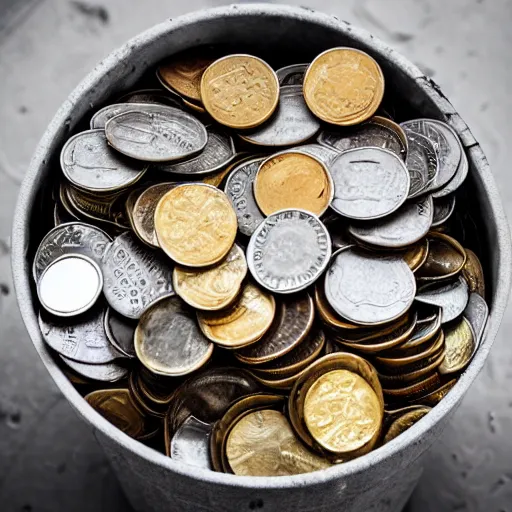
{"x": 262, "y": 272}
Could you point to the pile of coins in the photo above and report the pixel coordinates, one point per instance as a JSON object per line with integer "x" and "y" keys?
{"x": 258, "y": 271}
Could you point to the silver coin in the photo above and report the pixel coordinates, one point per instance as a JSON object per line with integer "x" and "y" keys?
{"x": 100, "y": 118}
{"x": 428, "y": 328}
{"x": 191, "y": 443}
{"x": 477, "y": 313}
{"x": 239, "y": 189}
{"x": 218, "y": 152}
{"x": 110, "y": 372}
{"x": 339, "y": 233}
{"x": 155, "y": 96}
{"x": 369, "y": 134}
{"x": 407, "y": 225}
{"x": 458, "y": 179}
{"x": 120, "y": 332}
{"x": 292, "y": 123}
{"x": 368, "y": 288}
{"x": 452, "y": 298}
{"x": 421, "y": 162}
{"x": 289, "y": 251}
{"x": 83, "y": 340}
{"x": 90, "y": 163}
{"x": 443, "y": 209}
{"x": 70, "y": 285}
{"x": 168, "y": 340}
{"x": 369, "y": 183}
{"x": 156, "y": 133}
{"x": 446, "y": 145}
{"x": 292, "y": 75}
{"x": 70, "y": 238}
{"x": 324, "y": 153}
{"x": 135, "y": 276}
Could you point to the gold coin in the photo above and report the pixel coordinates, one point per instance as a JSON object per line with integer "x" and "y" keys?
{"x": 435, "y": 396}
{"x": 263, "y": 443}
{"x": 413, "y": 391}
{"x": 344, "y": 86}
{"x": 215, "y": 287}
{"x": 416, "y": 256}
{"x": 342, "y": 412}
{"x": 404, "y": 422}
{"x": 196, "y": 107}
{"x": 474, "y": 273}
{"x": 460, "y": 346}
{"x": 240, "y": 91}
{"x": 243, "y": 323}
{"x": 195, "y": 224}
{"x": 293, "y": 180}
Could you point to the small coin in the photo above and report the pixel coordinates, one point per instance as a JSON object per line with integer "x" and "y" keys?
{"x": 69, "y": 238}
{"x": 414, "y": 391}
{"x": 70, "y": 285}
{"x": 279, "y": 382}
{"x": 88, "y": 162}
{"x": 421, "y": 162}
{"x": 477, "y": 313}
{"x": 325, "y": 154}
{"x": 156, "y": 96}
{"x": 292, "y": 323}
{"x": 195, "y": 224}
{"x": 156, "y": 133}
{"x": 191, "y": 443}
{"x": 262, "y": 443}
{"x": 239, "y": 189}
{"x": 329, "y": 317}
{"x": 436, "y": 395}
{"x": 344, "y": 86}
{"x": 288, "y": 251}
{"x": 217, "y": 178}
{"x": 460, "y": 175}
{"x": 410, "y": 223}
{"x": 474, "y": 273}
{"x": 129, "y": 203}
{"x": 368, "y": 288}
{"x": 134, "y": 276}
{"x": 423, "y": 333}
{"x": 218, "y": 152}
{"x": 293, "y": 180}
{"x": 240, "y": 91}
{"x": 443, "y": 209}
{"x": 416, "y": 255}
{"x": 292, "y": 123}
{"x": 110, "y": 372}
{"x": 241, "y": 324}
{"x": 292, "y": 75}
{"x": 214, "y": 288}
{"x": 460, "y": 342}
{"x": 120, "y": 332}
{"x": 168, "y": 340}
{"x": 369, "y": 183}
{"x": 404, "y": 422}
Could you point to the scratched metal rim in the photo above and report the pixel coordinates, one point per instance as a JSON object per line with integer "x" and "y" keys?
{"x": 425, "y": 95}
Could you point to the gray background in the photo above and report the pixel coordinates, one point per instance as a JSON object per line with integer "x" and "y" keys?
{"x": 48, "y": 459}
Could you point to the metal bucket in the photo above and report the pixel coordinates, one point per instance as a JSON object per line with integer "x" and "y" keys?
{"x": 382, "y": 480}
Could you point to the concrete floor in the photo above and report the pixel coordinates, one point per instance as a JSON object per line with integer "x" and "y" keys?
{"x": 49, "y": 462}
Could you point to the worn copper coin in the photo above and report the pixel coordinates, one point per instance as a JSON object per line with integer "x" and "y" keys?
{"x": 436, "y": 395}
{"x": 460, "y": 342}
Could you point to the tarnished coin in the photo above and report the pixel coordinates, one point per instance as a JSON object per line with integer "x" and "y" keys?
{"x": 421, "y": 162}
{"x": 143, "y": 213}
{"x": 344, "y": 86}
{"x": 293, "y": 180}
{"x": 156, "y": 96}
{"x": 460, "y": 175}
{"x": 239, "y": 189}
{"x": 404, "y": 422}
{"x": 110, "y": 372}
{"x": 195, "y": 225}
{"x": 436, "y": 395}
{"x": 369, "y": 183}
{"x": 156, "y": 133}
{"x": 134, "y": 276}
{"x": 410, "y": 223}
{"x": 217, "y": 153}
{"x": 477, "y": 313}
{"x": 325, "y": 154}
{"x": 191, "y": 443}
{"x": 423, "y": 333}
{"x": 460, "y": 345}
{"x": 240, "y": 91}
{"x": 293, "y": 320}
{"x": 452, "y": 297}
{"x": 70, "y": 285}
{"x": 262, "y": 443}
{"x": 412, "y": 392}
{"x": 369, "y": 288}
{"x": 376, "y": 132}
{"x": 120, "y": 332}
{"x": 474, "y": 273}
{"x": 242, "y": 323}
{"x": 292, "y": 122}
{"x": 443, "y": 209}
{"x": 416, "y": 255}
{"x": 289, "y": 251}
{"x": 292, "y": 75}
{"x": 69, "y": 238}
{"x": 213, "y": 288}
{"x": 88, "y": 162}
{"x": 446, "y": 145}
{"x": 168, "y": 340}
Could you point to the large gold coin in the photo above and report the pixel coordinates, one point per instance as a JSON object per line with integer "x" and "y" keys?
{"x": 342, "y": 412}
{"x": 293, "y": 180}
{"x": 195, "y": 225}
{"x": 344, "y": 86}
{"x": 404, "y": 422}
{"x": 263, "y": 443}
{"x": 240, "y": 91}
{"x": 242, "y": 323}
{"x": 213, "y": 288}
{"x": 460, "y": 346}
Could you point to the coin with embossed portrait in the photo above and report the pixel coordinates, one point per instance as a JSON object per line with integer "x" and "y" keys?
{"x": 289, "y": 251}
